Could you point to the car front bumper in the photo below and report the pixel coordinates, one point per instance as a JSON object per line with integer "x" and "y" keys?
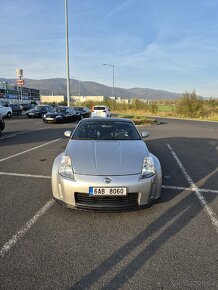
{"x": 74, "y": 193}
{"x": 53, "y": 120}
{"x": 34, "y": 115}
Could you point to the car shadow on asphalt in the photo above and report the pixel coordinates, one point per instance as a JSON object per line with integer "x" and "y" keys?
{"x": 35, "y": 136}
{"x": 173, "y": 220}
{"x": 180, "y": 213}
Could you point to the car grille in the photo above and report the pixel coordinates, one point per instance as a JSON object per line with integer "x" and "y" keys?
{"x": 128, "y": 202}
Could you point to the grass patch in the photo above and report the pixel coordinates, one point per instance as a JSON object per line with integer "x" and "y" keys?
{"x": 165, "y": 108}
{"x": 138, "y": 119}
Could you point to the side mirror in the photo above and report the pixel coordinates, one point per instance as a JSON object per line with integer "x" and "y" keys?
{"x": 67, "y": 134}
{"x": 145, "y": 134}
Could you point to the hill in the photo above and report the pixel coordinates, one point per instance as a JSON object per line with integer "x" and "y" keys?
{"x": 57, "y": 86}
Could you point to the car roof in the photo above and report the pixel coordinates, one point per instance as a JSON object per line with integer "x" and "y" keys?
{"x": 64, "y": 107}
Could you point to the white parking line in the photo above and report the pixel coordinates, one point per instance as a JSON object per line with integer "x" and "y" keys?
{"x": 163, "y": 186}
{"x": 34, "y": 148}
{"x": 19, "y": 133}
{"x": 211, "y": 214}
{"x": 7, "y": 246}
{"x": 8, "y": 136}
{"x": 24, "y": 175}
{"x": 188, "y": 188}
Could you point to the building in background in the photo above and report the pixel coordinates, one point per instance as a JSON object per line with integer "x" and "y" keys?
{"x": 52, "y": 99}
{"x": 82, "y": 99}
{"x": 10, "y": 93}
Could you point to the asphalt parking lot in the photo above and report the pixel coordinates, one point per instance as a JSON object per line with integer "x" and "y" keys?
{"x": 171, "y": 245}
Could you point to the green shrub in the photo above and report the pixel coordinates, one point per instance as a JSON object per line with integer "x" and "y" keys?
{"x": 191, "y": 105}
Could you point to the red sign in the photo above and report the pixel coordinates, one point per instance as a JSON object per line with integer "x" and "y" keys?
{"x": 20, "y": 83}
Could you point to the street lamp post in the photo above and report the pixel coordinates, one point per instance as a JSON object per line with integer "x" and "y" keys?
{"x": 67, "y": 54}
{"x": 111, "y": 65}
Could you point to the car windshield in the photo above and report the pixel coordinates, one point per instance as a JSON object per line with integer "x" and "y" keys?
{"x": 99, "y": 108}
{"x": 59, "y": 110}
{"x": 38, "y": 108}
{"x": 113, "y": 130}
{"x": 78, "y": 109}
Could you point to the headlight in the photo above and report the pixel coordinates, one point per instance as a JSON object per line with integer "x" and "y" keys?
{"x": 65, "y": 168}
{"x": 59, "y": 116}
{"x": 44, "y": 116}
{"x": 148, "y": 168}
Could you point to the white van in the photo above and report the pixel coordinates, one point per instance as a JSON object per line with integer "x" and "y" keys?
{"x": 5, "y": 111}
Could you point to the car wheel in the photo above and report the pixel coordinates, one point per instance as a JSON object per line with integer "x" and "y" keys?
{"x": 9, "y": 115}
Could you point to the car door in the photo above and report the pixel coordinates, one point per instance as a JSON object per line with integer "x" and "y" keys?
{"x": 72, "y": 114}
{"x": 68, "y": 115}
{"x": 3, "y": 110}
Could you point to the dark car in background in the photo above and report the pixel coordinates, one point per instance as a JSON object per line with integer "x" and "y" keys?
{"x": 16, "y": 109}
{"x": 2, "y": 124}
{"x": 26, "y": 107}
{"x": 82, "y": 112}
{"x": 61, "y": 114}
{"x": 38, "y": 111}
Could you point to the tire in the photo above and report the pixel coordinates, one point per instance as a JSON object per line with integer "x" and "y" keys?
{"x": 9, "y": 114}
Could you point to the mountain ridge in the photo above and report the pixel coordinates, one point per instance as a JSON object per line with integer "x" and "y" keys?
{"x": 57, "y": 86}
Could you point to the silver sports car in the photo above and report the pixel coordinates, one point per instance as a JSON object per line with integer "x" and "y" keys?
{"x": 106, "y": 166}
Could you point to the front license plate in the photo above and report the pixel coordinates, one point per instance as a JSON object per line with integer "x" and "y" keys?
{"x": 50, "y": 119}
{"x": 109, "y": 191}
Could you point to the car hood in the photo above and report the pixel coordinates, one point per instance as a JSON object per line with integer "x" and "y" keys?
{"x": 107, "y": 157}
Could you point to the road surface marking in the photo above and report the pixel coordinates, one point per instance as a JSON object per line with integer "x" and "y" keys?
{"x": 163, "y": 186}
{"x": 210, "y": 213}
{"x": 7, "y": 246}
{"x": 189, "y": 188}
{"x": 24, "y": 132}
{"x": 26, "y": 151}
{"x": 24, "y": 175}
{"x": 9, "y": 136}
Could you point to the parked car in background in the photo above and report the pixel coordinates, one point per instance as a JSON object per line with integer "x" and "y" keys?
{"x": 82, "y": 112}
{"x": 38, "y": 111}
{"x": 5, "y": 110}
{"x": 60, "y": 114}
{"x": 100, "y": 111}
{"x": 26, "y": 107}
{"x": 16, "y": 109}
{"x": 106, "y": 166}
{"x": 2, "y": 124}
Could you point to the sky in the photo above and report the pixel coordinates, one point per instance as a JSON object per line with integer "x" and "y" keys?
{"x": 159, "y": 44}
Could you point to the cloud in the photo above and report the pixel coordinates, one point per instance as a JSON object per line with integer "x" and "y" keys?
{"x": 118, "y": 9}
